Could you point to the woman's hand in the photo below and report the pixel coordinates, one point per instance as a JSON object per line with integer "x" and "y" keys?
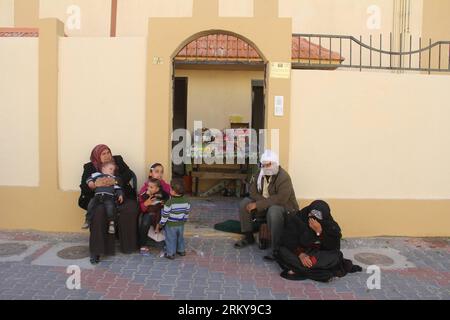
{"x": 316, "y": 226}
{"x": 109, "y": 182}
{"x": 158, "y": 228}
{"x": 120, "y": 199}
{"x": 148, "y": 202}
{"x": 91, "y": 185}
{"x": 105, "y": 182}
{"x": 100, "y": 182}
{"x": 251, "y": 207}
{"x": 305, "y": 260}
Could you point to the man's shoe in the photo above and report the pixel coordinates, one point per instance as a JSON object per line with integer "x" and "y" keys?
{"x": 181, "y": 254}
{"x": 95, "y": 259}
{"x": 169, "y": 257}
{"x": 248, "y": 240}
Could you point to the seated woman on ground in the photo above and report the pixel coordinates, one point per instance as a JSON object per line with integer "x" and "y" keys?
{"x": 100, "y": 241}
{"x": 310, "y": 246}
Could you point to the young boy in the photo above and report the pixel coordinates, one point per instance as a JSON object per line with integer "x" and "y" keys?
{"x": 174, "y": 215}
{"x": 105, "y": 195}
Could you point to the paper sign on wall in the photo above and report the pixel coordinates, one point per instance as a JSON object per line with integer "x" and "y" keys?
{"x": 280, "y": 70}
{"x": 279, "y": 106}
{"x": 157, "y": 60}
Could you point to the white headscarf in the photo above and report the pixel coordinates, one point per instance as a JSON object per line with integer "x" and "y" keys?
{"x": 268, "y": 156}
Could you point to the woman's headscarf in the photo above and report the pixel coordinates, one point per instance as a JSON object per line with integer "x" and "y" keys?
{"x": 96, "y": 153}
{"x": 329, "y": 226}
{"x": 320, "y": 206}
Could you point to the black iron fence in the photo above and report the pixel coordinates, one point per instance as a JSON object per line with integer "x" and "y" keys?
{"x": 401, "y": 53}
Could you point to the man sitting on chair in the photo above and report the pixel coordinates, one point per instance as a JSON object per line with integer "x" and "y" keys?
{"x": 271, "y": 196}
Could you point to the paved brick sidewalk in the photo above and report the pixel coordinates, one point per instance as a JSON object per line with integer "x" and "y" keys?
{"x": 32, "y": 266}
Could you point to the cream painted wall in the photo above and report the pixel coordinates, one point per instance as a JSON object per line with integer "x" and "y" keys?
{"x": 19, "y": 156}
{"x": 101, "y": 100}
{"x": 436, "y": 26}
{"x": 6, "y": 13}
{"x": 236, "y": 8}
{"x": 132, "y": 15}
{"x": 215, "y": 95}
{"x": 435, "y": 19}
{"x": 335, "y": 16}
{"x": 369, "y": 136}
{"x": 95, "y": 15}
{"x": 309, "y": 16}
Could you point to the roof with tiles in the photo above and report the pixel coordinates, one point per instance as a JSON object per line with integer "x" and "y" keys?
{"x": 19, "y": 32}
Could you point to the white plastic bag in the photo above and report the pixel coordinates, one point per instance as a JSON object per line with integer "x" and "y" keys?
{"x": 158, "y": 237}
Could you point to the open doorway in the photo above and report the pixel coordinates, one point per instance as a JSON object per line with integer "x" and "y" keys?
{"x": 218, "y": 81}
{"x": 258, "y": 109}
{"x": 179, "y": 120}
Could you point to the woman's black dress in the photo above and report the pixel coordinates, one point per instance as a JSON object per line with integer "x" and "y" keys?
{"x": 100, "y": 241}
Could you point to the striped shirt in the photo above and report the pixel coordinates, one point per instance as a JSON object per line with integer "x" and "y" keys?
{"x": 111, "y": 190}
{"x": 175, "y": 212}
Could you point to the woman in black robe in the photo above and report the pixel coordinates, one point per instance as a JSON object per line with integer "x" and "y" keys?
{"x": 100, "y": 241}
{"x": 310, "y": 246}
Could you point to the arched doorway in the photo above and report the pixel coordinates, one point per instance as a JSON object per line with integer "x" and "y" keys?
{"x": 270, "y": 36}
{"x": 219, "y": 81}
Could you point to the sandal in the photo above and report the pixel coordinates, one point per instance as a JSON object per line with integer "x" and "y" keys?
{"x": 145, "y": 251}
{"x": 288, "y": 275}
{"x": 243, "y": 243}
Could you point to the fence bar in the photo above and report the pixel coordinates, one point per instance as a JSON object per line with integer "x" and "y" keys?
{"x": 351, "y": 45}
{"x": 439, "y": 56}
{"x": 410, "y": 49}
{"x": 360, "y": 54}
{"x": 320, "y": 50}
{"x": 401, "y": 49}
{"x": 226, "y": 48}
{"x": 330, "y": 51}
{"x": 429, "y": 58}
{"x": 248, "y": 52}
{"x": 404, "y": 53}
{"x": 420, "y": 53}
{"x": 381, "y": 49}
{"x": 196, "y": 49}
{"x": 390, "y": 50}
{"x": 309, "y": 54}
{"x": 217, "y": 47}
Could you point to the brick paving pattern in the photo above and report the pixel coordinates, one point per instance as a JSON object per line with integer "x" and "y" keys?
{"x": 30, "y": 268}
